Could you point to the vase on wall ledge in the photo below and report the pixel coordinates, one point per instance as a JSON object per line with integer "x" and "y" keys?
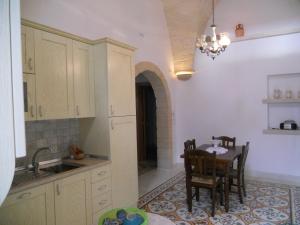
{"x": 277, "y": 94}
{"x": 288, "y": 94}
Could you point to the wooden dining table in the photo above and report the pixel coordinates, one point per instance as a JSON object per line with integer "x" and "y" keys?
{"x": 223, "y": 163}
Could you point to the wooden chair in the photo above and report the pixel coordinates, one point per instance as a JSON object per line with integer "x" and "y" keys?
{"x": 226, "y": 141}
{"x": 239, "y": 173}
{"x": 200, "y": 167}
{"x": 190, "y": 144}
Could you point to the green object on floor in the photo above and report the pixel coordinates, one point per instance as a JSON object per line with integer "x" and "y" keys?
{"x": 112, "y": 214}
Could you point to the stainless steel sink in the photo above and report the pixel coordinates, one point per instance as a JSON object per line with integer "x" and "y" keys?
{"x": 46, "y": 170}
{"x": 63, "y": 167}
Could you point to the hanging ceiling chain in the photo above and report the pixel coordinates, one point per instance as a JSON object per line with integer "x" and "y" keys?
{"x": 213, "y": 10}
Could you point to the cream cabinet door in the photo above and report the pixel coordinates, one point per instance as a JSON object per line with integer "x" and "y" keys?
{"x": 54, "y": 76}
{"x": 84, "y": 95}
{"x": 121, "y": 82}
{"x": 73, "y": 200}
{"x": 124, "y": 161}
{"x": 28, "y": 49}
{"x": 34, "y": 206}
{"x": 29, "y": 97}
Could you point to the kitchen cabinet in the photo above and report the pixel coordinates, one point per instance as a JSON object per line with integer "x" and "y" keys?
{"x": 54, "y": 76}
{"x": 63, "y": 86}
{"x": 121, "y": 81}
{"x": 113, "y": 132}
{"x": 84, "y": 96}
{"x": 124, "y": 164}
{"x": 73, "y": 200}
{"x": 34, "y": 206}
{"x": 29, "y": 97}
{"x": 101, "y": 192}
{"x": 28, "y": 59}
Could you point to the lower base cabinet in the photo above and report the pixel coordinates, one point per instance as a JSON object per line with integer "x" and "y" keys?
{"x": 75, "y": 200}
{"x": 31, "y": 207}
{"x": 72, "y": 200}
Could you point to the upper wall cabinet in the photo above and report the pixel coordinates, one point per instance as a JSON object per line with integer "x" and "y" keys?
{"x": 28, "y": 49}
{"x": 84, "y": 96}
{"x": 121, "y": 81}
{"x": 54, "y": 76}
{"x": 58, "y": 76}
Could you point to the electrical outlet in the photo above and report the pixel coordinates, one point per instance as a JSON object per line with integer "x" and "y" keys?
{"x": 53, "y": 148}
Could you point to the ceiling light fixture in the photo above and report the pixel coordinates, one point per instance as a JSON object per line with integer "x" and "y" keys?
{"x": 213, "y": 45}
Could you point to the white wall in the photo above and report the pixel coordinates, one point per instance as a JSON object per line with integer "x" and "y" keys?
{"x": 225, "y": 95}
{"x": 260, "y": 17}
{"x": 225, "y": 98}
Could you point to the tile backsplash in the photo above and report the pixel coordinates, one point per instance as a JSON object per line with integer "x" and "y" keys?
{"x": 58, "y": 134}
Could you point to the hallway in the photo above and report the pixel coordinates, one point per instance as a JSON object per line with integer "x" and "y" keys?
{"x": 156, "y": 177}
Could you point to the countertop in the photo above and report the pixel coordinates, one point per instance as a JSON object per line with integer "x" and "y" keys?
{"x": 87, "y": 164}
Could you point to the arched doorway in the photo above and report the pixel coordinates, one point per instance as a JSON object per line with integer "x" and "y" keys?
{"x": 155, "y": 77}
{"x": 146, "y": 125}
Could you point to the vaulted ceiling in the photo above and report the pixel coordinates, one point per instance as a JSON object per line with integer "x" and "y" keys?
{"x": 186, "y": 20}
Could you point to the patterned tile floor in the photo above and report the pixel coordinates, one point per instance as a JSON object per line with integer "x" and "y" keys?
{"x": 265, "y": 204}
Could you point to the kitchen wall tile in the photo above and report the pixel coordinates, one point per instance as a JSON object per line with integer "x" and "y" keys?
{"x": 58, "y": 133}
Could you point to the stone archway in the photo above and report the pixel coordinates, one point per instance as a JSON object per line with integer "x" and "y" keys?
{"x": 163, "y": 112}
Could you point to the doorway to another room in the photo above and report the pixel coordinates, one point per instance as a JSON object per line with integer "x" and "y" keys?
{"x": 146, "y": 125}
{"x": 159, "y": 167}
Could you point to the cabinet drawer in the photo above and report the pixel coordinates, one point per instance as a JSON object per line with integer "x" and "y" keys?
{"x": 101, "y": 187}
{"x": 97, "y": 215}
{"x": 101, "y": 201}
{"x": 100, "y": 173}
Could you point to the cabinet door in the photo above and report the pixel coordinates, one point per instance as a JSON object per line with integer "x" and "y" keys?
{"x": 84, "y": 96}
{"x": 34, "y": 206}
{"x": 54, "y": 76}
{"x": 121, "y": 82}
{"x": 124, "y": 161}
{"x": 29, "y": 97}
{"x": 73, "y": 200}
{"x": 28, "y": 49}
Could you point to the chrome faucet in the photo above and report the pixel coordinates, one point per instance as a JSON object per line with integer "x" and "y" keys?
{"x": 35, "y": 164}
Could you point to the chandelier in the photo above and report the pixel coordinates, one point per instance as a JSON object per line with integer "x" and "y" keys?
{"x": 213, "y": 45}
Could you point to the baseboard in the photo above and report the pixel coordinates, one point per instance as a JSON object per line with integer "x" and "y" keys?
{"x": 273, "y": 177}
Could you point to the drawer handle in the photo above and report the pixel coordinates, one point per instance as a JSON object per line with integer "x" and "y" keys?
{"x": 24, "y": 195}
{"x": 102, "y": 173}
{"x": 103, "y": 202}
{"x": 101, "y": 188}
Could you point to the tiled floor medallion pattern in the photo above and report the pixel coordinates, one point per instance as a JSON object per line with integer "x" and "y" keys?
{"x": 265, "y": 204}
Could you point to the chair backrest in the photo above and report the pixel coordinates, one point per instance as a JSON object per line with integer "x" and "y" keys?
{"x": 242, "y": 162}
{"x": 226, "y": 141}
{"x": 200, "y": 163}
{"x": 190, "y": 144}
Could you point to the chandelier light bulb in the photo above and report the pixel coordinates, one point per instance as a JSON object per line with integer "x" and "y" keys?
{"x": 224, "y": 39}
